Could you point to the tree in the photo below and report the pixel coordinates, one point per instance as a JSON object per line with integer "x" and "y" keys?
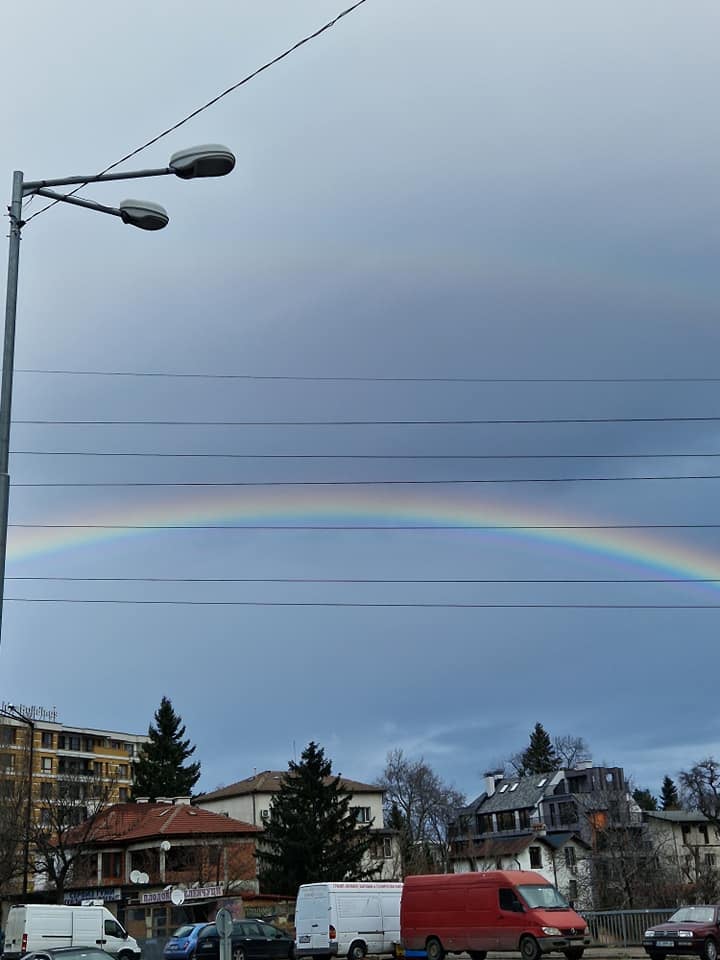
{"x": 422, "y": 807}
{"x": 701, "y": 789}
{"x": 159, "y": 771}
{"x": 669, "y": 797}
{"x": 644, "y": 799}
{"x": 540, "y": 755}
{"x": 570, "y": 751}
{"x": 312, "y": 833}
{"x": 14, "y": 799}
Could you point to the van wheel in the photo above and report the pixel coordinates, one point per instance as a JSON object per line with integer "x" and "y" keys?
{"x": 357, "y": 950}
{"x": 434, "y": 949}
{"x": 238, "y": 954}
{"x": 529, "y": 948}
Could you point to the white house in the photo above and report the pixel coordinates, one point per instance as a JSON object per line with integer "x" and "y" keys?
{"x": 250, "y": 800}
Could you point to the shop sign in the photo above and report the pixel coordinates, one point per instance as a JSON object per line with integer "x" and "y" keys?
{"x": 191, "y": 893}
{"x": 74, "y": 897}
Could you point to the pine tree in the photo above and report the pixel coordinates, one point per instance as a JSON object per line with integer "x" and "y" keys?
{"x": 312, "y": 834}
{"x": 669, "y": 799}
{"x": 644, "y": 799}
{"x": 540, "y": 755}
{"x": 159, "y": 771}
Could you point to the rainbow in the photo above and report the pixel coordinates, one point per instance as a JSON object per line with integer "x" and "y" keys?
{"x": 654, "y": 550}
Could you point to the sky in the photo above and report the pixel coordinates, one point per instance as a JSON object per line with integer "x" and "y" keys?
{"x": 465, "y": 211}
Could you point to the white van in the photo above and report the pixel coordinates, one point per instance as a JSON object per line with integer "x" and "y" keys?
{"x": 347, "y": 919}
{"x": 37, "y": 926}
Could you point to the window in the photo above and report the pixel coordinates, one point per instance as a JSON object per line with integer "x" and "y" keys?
{"x": 46, "y": 790}
{"x": 122, "y": 770}
{"x": 47, "y": 739}
{"x": 514, "y": 787}
{"x": 7, "y": 734}
{"x": 362, "y": 814}
{"x": 572, "y": 891}
{"x": 553, "y": 815}
{"x": 567, "y": 813}
{"x": 570, "y": 859}
{"x": 115, "y": 745}
{"x": 6, "y": 762}
{"x": 710, "y": 859}
{"x": 112, "y": 865}
{"x": 703, "y": 832}
{"x": 113, "y": 929}
{"x": 484, "y": 823}
{"x": 506, "y": 820}
{"x": 541, "y": 783}
{"x": 387, "y": 848}
{"x": 524, "y": 818}
{"x": 46, "y": 765}
{"x": 508, "y": 900}
{"x": 130, "y": 749}
{"x": 536, "y": 860}
{"x": 503, "y": 788}
{"x": 123, "y": 794}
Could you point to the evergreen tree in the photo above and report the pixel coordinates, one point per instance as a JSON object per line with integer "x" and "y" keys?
{"x": 312, "y": 834}
{"x": 644, "y": 799}
{"x": 159, "y": 771}
{"x": 540, "y": 755}
{"x": 669, "y": 799}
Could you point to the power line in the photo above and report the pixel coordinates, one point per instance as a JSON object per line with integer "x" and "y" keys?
{"x": 459, "y": 581}
{"x": 210, "y": 103}
{"x": 376, "y": 604}
{"x": 400, "y": 528}
{"x": 338, "y": 378}
{"x": 366, "y": 423}
{"x": 447, "y": 481}
{"x": 363, "y": 456}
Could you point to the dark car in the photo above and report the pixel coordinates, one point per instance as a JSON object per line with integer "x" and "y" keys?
{"x": 183, "y": 943}
{"x": 690, "y": 930}
{"x": 250, "y": 940}
{"x": 69, "y": 953}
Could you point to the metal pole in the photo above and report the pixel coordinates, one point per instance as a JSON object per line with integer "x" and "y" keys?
{"x": 28, "y": 812}
{"x": 7, "y": 370}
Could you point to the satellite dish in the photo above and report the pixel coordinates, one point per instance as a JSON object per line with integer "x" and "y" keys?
{"x": 177, "y": 896}
{"x": 165, "y": 845}
{"x": 135, "y": 876}
{"x": 144, "y": 878}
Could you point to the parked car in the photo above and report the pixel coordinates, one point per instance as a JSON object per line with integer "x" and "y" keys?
{"x": 182, "y": 944}
{"x": 690, "y": 930}
{"x": 250, "y": 940}
{"x": 68, "y": 953}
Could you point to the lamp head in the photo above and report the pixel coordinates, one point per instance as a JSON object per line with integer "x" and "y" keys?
{"x": 206, "y": 160}
{"x": 143, "y": 214}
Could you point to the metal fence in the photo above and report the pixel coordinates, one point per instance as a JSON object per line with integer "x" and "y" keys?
{"x": 622, "y": 928}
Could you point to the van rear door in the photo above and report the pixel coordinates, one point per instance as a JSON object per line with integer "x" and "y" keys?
{"x": 312, "y": 920}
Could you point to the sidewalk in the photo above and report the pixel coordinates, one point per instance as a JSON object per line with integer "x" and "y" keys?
{"x": 591, "y": 953}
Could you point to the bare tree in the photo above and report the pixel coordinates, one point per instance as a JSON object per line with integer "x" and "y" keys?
{"x": 700, "y": 789}
{"x": 571, "y": 750}
{"x": 68, "y": 826}
{"x": 421, "y": 806}
{"x": 14, "y": 799}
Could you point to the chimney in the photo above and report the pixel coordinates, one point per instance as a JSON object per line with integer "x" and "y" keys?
{"x": 491, "y": 779}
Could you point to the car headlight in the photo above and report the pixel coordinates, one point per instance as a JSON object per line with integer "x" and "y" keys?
{"x": 649, "y": 933}
{"x": 685, "y": 933}
{"x": 551, "y": 931}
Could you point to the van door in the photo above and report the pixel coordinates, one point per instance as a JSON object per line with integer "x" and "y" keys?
{"x": 115, "y": 936}
{"x": 390, "y": 907}
{"x": 510, "y": 919}
{"x": 359, "y": 918}
{"x": 87, "y": 929}
{"x": 312, "y": 920}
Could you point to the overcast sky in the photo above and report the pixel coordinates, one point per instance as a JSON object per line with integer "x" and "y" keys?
{"x": 512, "y": 191}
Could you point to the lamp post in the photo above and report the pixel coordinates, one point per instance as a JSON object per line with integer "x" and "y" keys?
{"x": 208, "y": 160}
{"x": 12, "y": 711}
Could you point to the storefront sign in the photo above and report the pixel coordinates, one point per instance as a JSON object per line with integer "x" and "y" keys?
{"x": 99, "y": 893}
{"x": 191, "y": 893}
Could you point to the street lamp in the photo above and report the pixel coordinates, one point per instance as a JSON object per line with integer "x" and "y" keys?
{"x": 12, "y": 711}
{"x": 208, "y": 160}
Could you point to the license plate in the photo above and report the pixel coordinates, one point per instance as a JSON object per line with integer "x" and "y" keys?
{"x": 305, "y": 939}
{"x": 665, "y": 943}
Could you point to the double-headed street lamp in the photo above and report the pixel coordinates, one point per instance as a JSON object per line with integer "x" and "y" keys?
{"x": 209, "y": 160}
{"x": 12, "y": 711}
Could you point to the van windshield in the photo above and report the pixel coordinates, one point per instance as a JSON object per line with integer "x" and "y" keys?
{"x": 543, "y": 895}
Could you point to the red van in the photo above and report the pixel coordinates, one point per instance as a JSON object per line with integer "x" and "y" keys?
{"x": 496, "y": 910}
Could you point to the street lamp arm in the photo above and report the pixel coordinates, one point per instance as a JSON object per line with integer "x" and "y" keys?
{"x": 78, "y": 202}
{"x": 36, "y": 186}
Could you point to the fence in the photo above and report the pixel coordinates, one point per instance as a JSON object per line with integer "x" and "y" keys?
{"x": 622, "y": 928}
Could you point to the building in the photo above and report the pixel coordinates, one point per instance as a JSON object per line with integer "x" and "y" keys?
{"x": 556, "y": 823}
{"x": 686, "y": 847}
{"x": 251, "y": 800}
{"x": 45, "y": 762}
{"x": 165, "y": 863}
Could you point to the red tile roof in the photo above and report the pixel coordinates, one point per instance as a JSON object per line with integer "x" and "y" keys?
{"x": 269, "y": 781}
{"x": 139, "y": 821}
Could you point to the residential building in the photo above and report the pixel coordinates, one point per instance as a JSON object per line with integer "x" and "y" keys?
{"x": 251, "y": 800}
{"x": 139, "y": 854}
{"x": 686, "y": 847}
{"x": 556, "y": 823}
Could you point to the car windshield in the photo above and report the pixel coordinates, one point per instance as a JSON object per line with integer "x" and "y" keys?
{"x": 184, "y": 931}
{"x": 693, "y": 915}
{"x": 543, "y": 895}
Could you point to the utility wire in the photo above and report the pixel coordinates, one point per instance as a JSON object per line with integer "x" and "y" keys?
{"x": 210, "y": 103}
{"x": 376, "y": 580}
{"x": 364, "y": 456}
{"x": 400, "y": 528}
{"x": 365, "y": 423}
{"x": 377, "y": 604}
{"x": 352, "y": 483}
{"x": 356, "y": 379}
